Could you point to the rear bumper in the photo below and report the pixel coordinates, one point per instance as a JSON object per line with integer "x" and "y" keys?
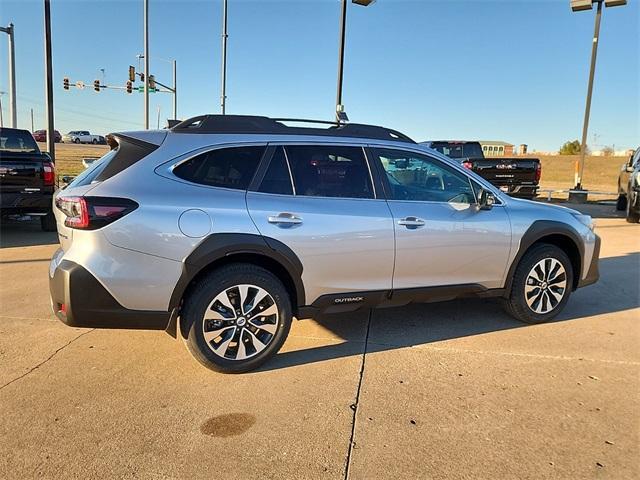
{"x": 593, "y": 273}
{"x": 24, "y": 202}
{"x": 526, "y": 191}
{"x": 78, "y": 299}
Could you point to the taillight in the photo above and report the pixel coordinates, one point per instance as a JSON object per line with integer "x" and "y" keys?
{"x": 467, "y": 164}
{"x": 538, "y": 172}
{"x": 49, "y": 173}
{"x": 90, "y": 213}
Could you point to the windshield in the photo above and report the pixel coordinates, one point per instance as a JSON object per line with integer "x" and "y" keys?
{"x": 459, "y": 150}
{"x": 17, "y": 141}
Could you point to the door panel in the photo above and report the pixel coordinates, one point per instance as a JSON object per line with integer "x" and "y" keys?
{"x": 458, "y": 244}
{"x": 345, "y": 245}
{"x": 442, "y": 237}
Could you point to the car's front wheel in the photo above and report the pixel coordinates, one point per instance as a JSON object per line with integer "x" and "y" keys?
{"x": 77, "y": 140}
{"x": 236, "y": 318}
{"x": 621, "y": 202}
{"x": 541, "y": 284}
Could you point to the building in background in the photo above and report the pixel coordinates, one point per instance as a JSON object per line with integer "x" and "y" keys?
{"x": 522, "y": 150}
{"x": 496, "y": 148}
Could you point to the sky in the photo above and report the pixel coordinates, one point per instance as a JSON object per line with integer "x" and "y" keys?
{"x": 512, "y": 70}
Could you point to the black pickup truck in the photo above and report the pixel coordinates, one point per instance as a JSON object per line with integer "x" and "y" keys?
{"x": 518, "y": 177}
{"x": 27, "y": 178}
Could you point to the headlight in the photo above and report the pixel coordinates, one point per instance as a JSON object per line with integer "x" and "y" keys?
{"x": 586, "y": 220}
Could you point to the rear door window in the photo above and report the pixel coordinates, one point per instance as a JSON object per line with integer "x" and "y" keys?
{"x": 330, "y": 171}
{"x": 226, "y": 167}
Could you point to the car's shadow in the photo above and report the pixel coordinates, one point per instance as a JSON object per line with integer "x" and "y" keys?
{"x": 27, "y": 233}
{"x": 393, "y": 328}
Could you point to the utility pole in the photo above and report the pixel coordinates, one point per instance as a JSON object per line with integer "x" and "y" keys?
{"x": 1, "y": 117}
{"x": 223, "y": 96}
{"x": 51, "y": 146}
{"x": 343, "y": 21}
{"x": 10, "y": 30}
{"x": 32, "y": 128}
{"x": 146, "y": 64}
{"x": 158, "y": 123}
{"x": 175, "y": 91}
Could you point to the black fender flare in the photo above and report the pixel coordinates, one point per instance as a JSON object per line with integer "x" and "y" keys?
{"x": 219, "y": 245}
{"x": 538, "y": 230}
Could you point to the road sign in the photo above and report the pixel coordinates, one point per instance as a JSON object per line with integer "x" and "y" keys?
{"x": 151, "y": 90}
{"x": 80, "y": 85}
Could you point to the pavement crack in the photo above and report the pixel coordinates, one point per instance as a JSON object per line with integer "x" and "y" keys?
{"x": 354, "y": 407}
{"x": 46, "y": 360}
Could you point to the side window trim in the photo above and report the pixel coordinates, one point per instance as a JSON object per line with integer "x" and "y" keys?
{"x": 286, "y": 160}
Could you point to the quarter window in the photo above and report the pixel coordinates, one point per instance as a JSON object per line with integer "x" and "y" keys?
{"x": 415, "y": 177}
{"x": 225, "y": 167}
{"x": 330, "y": 171}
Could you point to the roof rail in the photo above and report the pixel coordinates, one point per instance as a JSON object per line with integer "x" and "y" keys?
{"x": 264, "y": 125}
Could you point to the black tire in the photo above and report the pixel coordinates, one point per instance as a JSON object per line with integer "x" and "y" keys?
{"x": 94, "y": 141}
{"x": 632, "y": 217}
{"x": 77, "y": 140}
{"x": 48, "y": 222}
{"x": 621, "y": 202}
{"x": 516, "y": 304}
{"x": 216, "y": 282}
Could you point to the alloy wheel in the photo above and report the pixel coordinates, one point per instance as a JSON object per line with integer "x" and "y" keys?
{"x": 240, "y": 322}
{"x": 545, "y": 286}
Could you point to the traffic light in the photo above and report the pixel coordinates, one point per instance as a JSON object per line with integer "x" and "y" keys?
{"x": 65, "y": 83}
{"x": 96, "y": 85}
{"x": 129, "y": 86}
{"x": 141, "y": 77}
{"x": 132, "y": 73}
{"x": 152, "y": 81}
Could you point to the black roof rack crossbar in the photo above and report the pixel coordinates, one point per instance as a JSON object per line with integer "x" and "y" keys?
{"x": 239, "y": 124}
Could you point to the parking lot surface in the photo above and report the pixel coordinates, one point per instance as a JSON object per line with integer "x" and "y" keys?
{"x": 450, "y": 390}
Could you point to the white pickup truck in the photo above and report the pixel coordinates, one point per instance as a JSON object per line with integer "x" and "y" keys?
{"x": 82, "y": 136}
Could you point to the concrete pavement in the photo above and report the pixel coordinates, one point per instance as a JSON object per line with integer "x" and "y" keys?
{"x": 451, "y": 390}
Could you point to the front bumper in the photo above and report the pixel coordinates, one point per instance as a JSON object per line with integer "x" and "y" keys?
{"x": 593, "y": 273}
{"x": 78, "y": 299}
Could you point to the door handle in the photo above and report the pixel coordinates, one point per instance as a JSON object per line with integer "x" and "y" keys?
{"x": 284, "y": 219}
{"x": 411, "y": 222}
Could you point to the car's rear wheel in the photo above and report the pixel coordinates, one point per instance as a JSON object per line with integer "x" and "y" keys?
{"x": 94, "y": 141}
{"x": 236, "y": 318}
{"x": 621, "y": 202}
{"x": 541, "y": 286}
{"x": 48, "y": 222}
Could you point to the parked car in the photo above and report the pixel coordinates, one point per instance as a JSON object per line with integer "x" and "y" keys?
{"x": 629, "y": 188}
{"x": 83, "y": 136}
{"x": 41, "y": 136}
{"x": 237, "y": 224}
{"x": 519, "y": 177}
{"x": 27, "y": 178}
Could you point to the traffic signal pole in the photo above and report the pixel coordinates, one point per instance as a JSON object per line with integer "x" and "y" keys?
{"x": 175, "y": 91}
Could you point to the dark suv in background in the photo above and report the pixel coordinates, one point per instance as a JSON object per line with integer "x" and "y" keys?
{"x": 629, "y": 188}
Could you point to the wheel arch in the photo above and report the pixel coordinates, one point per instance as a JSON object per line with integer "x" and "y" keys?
{"x": 554, "y": 233}
{"x": 221, "y": 249}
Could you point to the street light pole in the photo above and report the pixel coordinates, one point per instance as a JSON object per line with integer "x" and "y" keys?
{"x": 223, "y": 95}
{"x": 10, "y": 30}
{"x": 48, "y": 93}
{"x": 587, "y": 110}
{"x": 146, "y": 64}
{"x": 340, "y": 116}
{"x": 343, "y": 25}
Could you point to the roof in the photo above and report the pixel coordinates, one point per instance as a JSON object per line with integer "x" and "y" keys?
{"x": 495, "y": 142}
{"x": 248, "y": 124}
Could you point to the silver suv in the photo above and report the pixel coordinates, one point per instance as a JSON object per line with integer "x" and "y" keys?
{"x": 224, "y": 228}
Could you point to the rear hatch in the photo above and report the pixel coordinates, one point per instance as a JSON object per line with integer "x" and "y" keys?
{"x": 507, "y": 171}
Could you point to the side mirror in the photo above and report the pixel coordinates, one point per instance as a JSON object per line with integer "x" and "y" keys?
{"x": 486, "y": 199}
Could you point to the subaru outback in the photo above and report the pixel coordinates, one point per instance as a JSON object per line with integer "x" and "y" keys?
{"x": 223, "y": 229}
